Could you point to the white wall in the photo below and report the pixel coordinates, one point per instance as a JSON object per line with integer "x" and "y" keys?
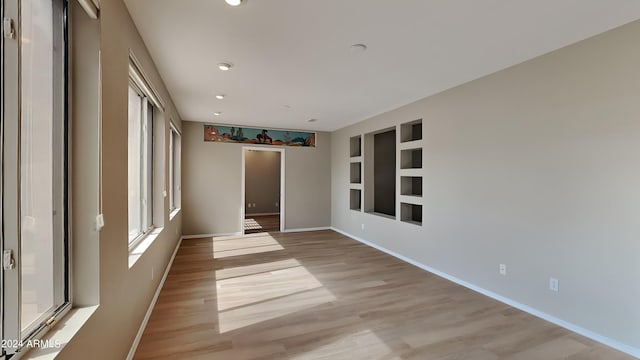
{"x": 212, "y": 184}
{"x": 538, "y": 167}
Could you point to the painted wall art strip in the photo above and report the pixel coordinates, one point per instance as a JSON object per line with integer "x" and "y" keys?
{"x": 249, "y": 135}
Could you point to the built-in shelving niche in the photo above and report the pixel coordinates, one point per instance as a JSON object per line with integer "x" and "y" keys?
{"x": 379, "y": 172}
{"x": 411, "y": 159}
{"x": 356, "y": 172}
{"x": 355, "y": 199}
{"x": 411, "y": 131}
{"x": 355, "y": 145}
{"x": 411, "y": 185}
{"x": 411, "y": 213}
{"x": 411, "y": 144}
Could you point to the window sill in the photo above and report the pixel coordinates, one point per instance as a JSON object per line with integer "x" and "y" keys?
{"x": 173, "y": 213}
{"x": 62, "y": 333}
{"x": 136, "y": 252}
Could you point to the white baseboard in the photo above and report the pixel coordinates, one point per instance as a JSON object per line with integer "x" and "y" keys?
{"x": 197, "y": 236}
{"x": 307, "y": 229}
{"x": 550, "y": 318}
{"x": 136, "y": 341}
{"x": 200, "y": 236}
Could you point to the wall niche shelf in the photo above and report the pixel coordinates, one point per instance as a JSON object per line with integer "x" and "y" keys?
{"x": 356, "y": 172}
{"x": 377, "y": 161}
{"x": 411, "y": 131}
{"x": 355, "y": 199}
{"x": 411, "y": 158}
{"x": 411, "y": 213}
{"x": 355, "y": 145}
{"x": 411, "y": 174}
{"x": 380, "y": 172}
{"x": 411, "y": 185}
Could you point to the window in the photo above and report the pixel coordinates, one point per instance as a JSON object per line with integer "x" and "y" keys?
{"x": 174, "y": 169}
{"x": 144, "y": 105}
{"x": 34, "y": 172}
{"x": 140, "y": 160}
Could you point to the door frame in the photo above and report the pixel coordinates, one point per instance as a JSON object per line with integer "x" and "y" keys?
{"x": 243, "y": 185}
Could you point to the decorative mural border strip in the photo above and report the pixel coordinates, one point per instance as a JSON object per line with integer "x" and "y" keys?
{"x": 258, "y": 136}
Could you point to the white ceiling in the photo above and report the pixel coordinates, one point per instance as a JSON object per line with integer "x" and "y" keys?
{"x": 297, "y": 52}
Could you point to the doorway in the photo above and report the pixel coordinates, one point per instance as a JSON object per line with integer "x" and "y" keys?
{"x": 262, "y": 190}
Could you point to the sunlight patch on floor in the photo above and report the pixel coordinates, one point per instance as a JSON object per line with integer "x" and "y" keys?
{"x": 238, "y": 271}
{"x": 251, "y": 224}
{"x": 257, "y": 292}
{"x": 367, "y": 342}
{"x": 244, "y": 246}
{"x": 257, "y": 288}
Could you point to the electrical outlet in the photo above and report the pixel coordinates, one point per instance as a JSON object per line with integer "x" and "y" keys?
{"x": 362, "y": 226}
{"x": 554, "y": 284}
{"x": 503, "y": 269}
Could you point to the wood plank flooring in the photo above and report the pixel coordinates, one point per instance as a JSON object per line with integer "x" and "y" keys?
{"x": 261, "y": 223}
{"x": 320, "y": 295}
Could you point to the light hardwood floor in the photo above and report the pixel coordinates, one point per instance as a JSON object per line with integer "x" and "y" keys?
{"x": 261, "y": 223}
{"x": 320, "y": 295}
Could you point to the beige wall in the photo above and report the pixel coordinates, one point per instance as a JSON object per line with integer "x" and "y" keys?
{"x": 212, "y": 184}
{"x": 537, "y": 167}
{"x": 101, "y": 260}
{"x": 262, "y": 182}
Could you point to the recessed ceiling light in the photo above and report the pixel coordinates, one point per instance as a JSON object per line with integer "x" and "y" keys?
{"x": 312, "y": 120}
{"x": 233, "y": 2}
{"x": 217, "y": 113}
{"x": 358, "y": 48}
{"x": 224, "y": 66}
{"x": 220, "y": 96}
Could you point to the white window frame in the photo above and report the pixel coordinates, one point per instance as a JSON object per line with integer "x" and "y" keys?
{"x": 11, "y": 329}
{"x": 175, "y": 142}
{"x": 146, "y": 108}
{"x": 139, "y": 81}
